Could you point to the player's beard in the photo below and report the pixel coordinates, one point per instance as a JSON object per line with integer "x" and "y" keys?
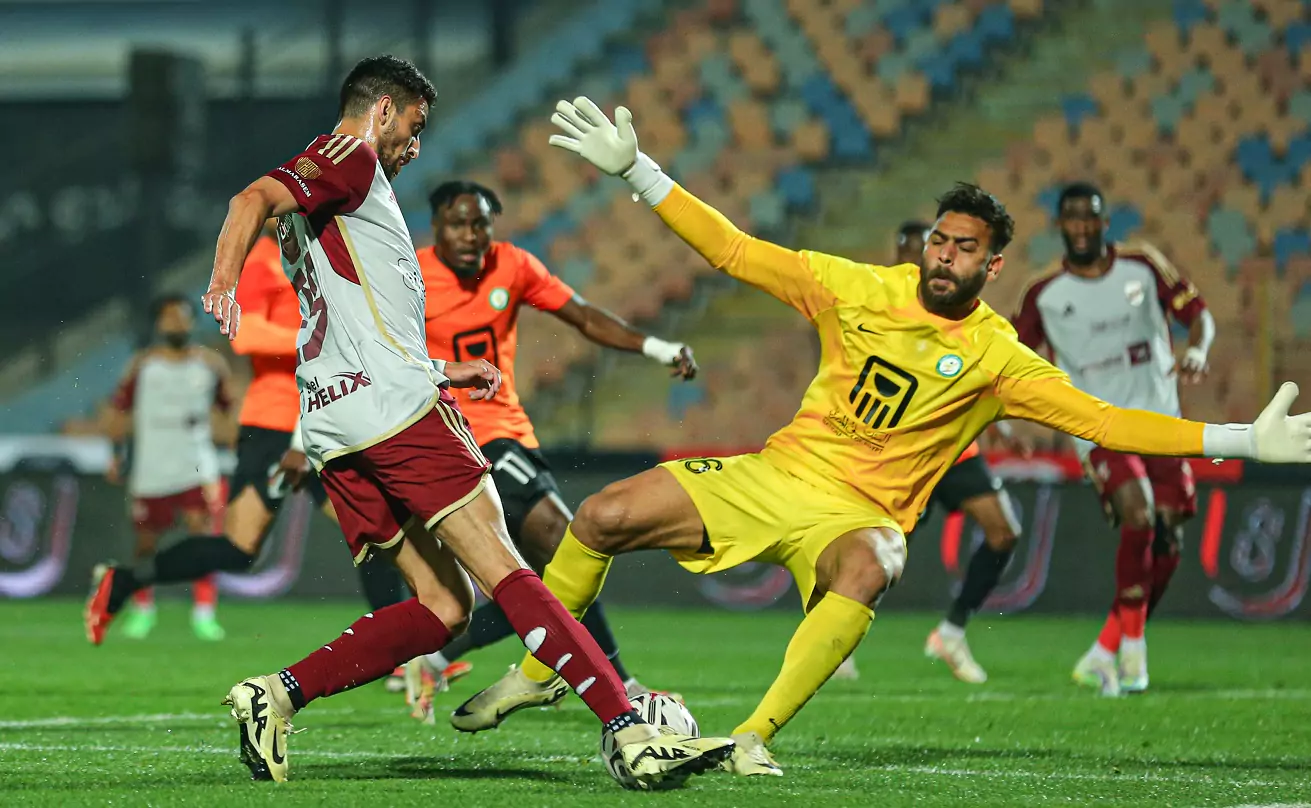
{"x": 175, "y": 339}
{"x": 965, "y": 290}
{"x": 1086, "y": 256}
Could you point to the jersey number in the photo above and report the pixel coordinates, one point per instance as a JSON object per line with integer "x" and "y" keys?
{"x": 307, "y": 289}
{"x": 889, "y": 395}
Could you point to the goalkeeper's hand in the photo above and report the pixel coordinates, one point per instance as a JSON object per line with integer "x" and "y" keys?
{"x": 1280, "y": 437}
{"x": 611, "y": 147}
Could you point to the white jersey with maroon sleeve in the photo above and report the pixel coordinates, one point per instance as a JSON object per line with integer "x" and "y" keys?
{"x": 1111, "y": 334}
{"x": 363, "y": 368}
{"x": 172, "y": 439}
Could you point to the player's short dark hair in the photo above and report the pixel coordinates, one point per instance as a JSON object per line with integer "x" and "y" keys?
{"x": 377, "y": 76}
{"x": 911, "y": 228}
{"x": 162, "y": 302}
{"x": 972, "y": 200}
{"x": 447, "y": 192}
{"x": 1078, "y": 190}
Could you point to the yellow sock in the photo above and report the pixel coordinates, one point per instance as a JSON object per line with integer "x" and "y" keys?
{"x": 575, "y": 576}
{"x": 827, "y": 636}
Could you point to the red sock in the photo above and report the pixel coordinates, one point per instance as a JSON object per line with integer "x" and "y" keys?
{"x": 144, "y": 598}
{"x": 559, "y": 641}
{"x": 370, "y": 649}
{"x": 1133, "y": 579}
{"x": 1163, "y": 567}
{"x": 204, "y": 592}
{"x": 1110, "y": 636}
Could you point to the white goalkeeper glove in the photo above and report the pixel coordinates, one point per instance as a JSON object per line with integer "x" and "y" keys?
{"x": 1275, "y": 436}
{"x": 611, "y": 147}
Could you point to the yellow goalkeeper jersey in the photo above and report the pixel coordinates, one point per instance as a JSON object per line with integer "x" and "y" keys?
{"x": 901, "y": 392}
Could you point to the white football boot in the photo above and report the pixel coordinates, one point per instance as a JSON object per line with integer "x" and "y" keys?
{"x": 847, "y": 670}
{"x": 511, "y": 693}
{"x": 1097, "y": 670}
{"x": 955, "y": 651}
{"x": 658, "y": 761}
{"x": 1133, "y": 666}
{"x": 263, "y": 728}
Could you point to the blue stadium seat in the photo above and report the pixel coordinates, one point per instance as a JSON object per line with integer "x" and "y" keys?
{"x": 626, "y": 62}
{"x": 939, "y": 69}
{"x": 1290, "y": 242}
{"x": 704, "y": 108}
{"x": 1296, "y": 35}
{"x": 1077, "y": 107}
{"x": 1299, "y": 106}
{"x": 1167, "y": 111}
{"x": 1299, "y": 154}
{"x": 1047, "y": 199}
{"x": 996, "y": 23}
{"x": 767, "y": 210}
{"x": 797, "y": 185}
{"x": 861, "y": 21}
{"x": 904, "y": 21}
{"x": 1133, "y": 62}
{"x": 1123, "y": 222}
{"x": 966, "y": 48}
{"x": 683, "y": 397}
{"x": 852, "y": 141}
{"x": 1194, "y": 83}
{"x": 1188, "y": 13}
{"x": 577, "y": 271}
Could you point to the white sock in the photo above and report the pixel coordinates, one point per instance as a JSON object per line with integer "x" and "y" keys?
{"x": 1138, "y": 646}
{"x": 203, "y": 611}
{"x": 1101, "y": 653}
{"x": 950, "y": 631}
{"x": 438, "y": 661}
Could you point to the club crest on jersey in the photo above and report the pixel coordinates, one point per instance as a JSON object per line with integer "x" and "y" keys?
{"x": 1133, "y": 292}
{"x": 950, "y": 366}
{"x": 410, "y": 274}
{"x": 499, "y": 298}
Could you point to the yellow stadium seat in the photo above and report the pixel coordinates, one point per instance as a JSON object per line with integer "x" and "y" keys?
{"x": 950, "y": 19}
{"x": 749, "y": 121}
{"x": 1108, "y": 89}
{"x": 912, "y": 93}
{"x": 810, "y": 141}
{"x": 872, "y": 46}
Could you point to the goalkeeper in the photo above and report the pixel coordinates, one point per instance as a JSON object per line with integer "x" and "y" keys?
{"x": 914, "y": 367}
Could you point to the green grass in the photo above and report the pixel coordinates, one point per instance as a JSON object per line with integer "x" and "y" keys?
{"x": 138, "y": 723}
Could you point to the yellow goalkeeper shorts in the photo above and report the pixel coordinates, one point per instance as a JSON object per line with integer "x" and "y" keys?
{"x": 756, "y": 511}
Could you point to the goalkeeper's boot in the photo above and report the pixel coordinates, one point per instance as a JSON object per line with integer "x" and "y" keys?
{"x": 96, "y": 616}
{"x": 513, "y": 692}
{"x": 139, "y": 623}
{"x": 1098, "y": 671}
{"x": 634, "y": 688}
{"x": 955, "y": 651}
{"x": 262, "y": 727}
{"x": 658, "y": 761}
{"x": 847, "y": 670}
{"x": 1133, "y": 666}
{"x": 751, "y": 757}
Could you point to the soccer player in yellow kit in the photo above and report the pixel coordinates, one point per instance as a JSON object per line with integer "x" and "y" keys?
{"x": 914, "y": 367}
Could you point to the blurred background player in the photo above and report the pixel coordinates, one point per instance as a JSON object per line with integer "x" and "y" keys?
{"x": 1104, "y": 313}
{"x": 168, "y": 396}
{"x": 475, "y": 288}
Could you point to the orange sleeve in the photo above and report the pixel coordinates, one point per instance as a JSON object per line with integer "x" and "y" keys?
{"x": 783, "y": 273}
{"x": 258, "y": 335}
{"x": 1033, "y": 389}
{"x": 541, "y": 289}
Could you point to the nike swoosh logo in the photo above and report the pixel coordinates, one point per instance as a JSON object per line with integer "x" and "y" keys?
{"x": 860, "y": 327}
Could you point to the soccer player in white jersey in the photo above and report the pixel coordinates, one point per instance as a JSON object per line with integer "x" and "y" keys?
{"x": 388, "y": 440}
{"x": 166, "y": 400}
{"x": 1104, "y": 313}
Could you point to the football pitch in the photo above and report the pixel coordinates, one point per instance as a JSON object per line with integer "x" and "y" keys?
{"x": 1228, "y": 721}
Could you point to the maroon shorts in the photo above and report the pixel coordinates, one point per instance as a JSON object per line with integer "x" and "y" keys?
{"x": 158, "y": 514}
{"x": 1170, "y": 478}
{"x": 424, "y": 472}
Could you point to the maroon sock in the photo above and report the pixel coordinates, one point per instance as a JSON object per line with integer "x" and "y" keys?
{"x": 1133, "y": 578}
{"x": 370, "y": 649}
{"x": 1163, "y": 567}
{"x": 560, "y": 642}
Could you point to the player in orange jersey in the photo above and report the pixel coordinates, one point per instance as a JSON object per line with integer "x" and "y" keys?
{"x": 475, "y": 288}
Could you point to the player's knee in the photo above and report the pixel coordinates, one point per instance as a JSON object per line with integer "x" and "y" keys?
{"x": 602, "y": 522}
{"x": 1138, "y": 517}
{"x": 866, "y": 573}
{"x": 1001, "y": 538}
{"x": 449, "y": 608}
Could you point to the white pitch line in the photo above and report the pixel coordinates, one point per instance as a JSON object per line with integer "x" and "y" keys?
{"x": 930, "y": 771}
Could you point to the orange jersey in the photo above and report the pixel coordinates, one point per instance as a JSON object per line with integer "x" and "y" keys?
{"x": 479, "y": 319}
{"x": 270, "y": 320}
{"x": 970, "y": 451}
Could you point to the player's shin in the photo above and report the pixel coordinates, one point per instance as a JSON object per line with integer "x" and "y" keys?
{"x": 827, "y": 636}
{"x": 575, "y": 576}
{"x": 981, "y": 577}
{"x": 370, "y": 649}
{"x": 555, "y": 637}
{"x": 189, "y": 559}
{"x": 1133, "y": 568}
{"x": 1165, "y": 560}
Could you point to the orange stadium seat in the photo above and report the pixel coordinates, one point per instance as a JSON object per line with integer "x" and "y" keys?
{"x": 1026, "y": 9}
{"x": 950, "y": 19}
{"x": 912, "y": 92}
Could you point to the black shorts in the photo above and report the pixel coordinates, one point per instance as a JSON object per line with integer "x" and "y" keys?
{"x": 522, "y": 478}
{"x": 964, "y": 481}
{"x": 259, "y": 451}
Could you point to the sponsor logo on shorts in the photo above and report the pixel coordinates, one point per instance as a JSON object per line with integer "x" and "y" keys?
{"x": 318, "y": 396}
{"x": 701, "y": 465}
{"x": 305, "y": 189}
{"x": 950, "y": 366}
{"x": 499, "y": 298}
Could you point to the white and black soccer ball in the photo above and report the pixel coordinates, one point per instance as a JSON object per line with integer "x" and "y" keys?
{"x": 667, "y": 715}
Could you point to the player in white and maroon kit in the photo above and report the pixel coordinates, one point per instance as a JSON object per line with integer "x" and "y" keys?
{"x": 167, "y": 395}
{"x": 390, "y": 444}
{"x": 1105, "y": 316}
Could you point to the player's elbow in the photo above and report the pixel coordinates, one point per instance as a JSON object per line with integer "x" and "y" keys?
{"x": 251, "y": 200}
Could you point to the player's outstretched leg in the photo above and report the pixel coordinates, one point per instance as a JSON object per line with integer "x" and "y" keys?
{"x": 852, "y": 572}
{"x": 246, "y": 523}
{"x": 372, "y": 647}
{"x": 993, "y": 513}
{"x": 477, "y": 535}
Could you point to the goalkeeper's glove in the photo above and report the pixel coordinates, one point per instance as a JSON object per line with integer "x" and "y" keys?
{"x": 611, "y": 147}
{"x": 1275, "y": 436}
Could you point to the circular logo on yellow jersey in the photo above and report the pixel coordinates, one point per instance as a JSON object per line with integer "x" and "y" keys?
{"x": 499, "y": 298}
{"x": 950, "y": 365}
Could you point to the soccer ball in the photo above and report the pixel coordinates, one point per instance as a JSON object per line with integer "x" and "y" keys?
{"x": 669, "y": 716}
